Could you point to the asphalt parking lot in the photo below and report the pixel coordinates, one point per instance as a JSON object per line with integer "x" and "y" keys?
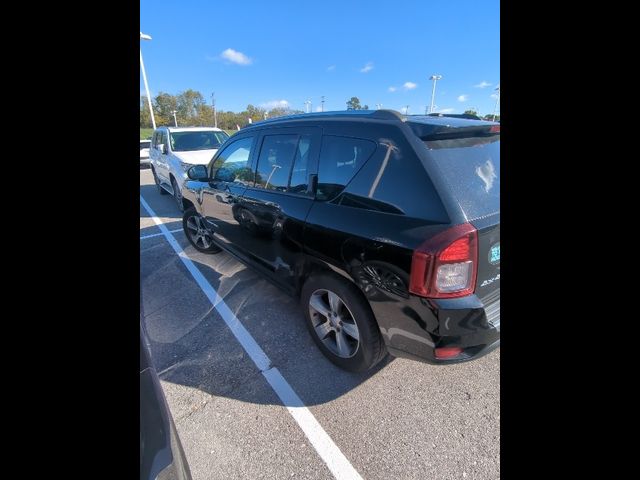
{"x": 403, "y": 420}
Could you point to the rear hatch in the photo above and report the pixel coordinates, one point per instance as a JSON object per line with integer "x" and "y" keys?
{"x": 467, "y": 158}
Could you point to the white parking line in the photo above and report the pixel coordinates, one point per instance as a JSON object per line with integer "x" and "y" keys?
{"x": 335, "y": 460}
{"x": 144, "y": 237}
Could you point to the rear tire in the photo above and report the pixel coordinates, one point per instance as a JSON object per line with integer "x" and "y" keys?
{"x": 198, "y": 235}
{"x": 337, "y": 311}
{"x": 161, "y": 190}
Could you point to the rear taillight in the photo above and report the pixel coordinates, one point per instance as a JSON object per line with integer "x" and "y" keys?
{"x": 446, "y": 265}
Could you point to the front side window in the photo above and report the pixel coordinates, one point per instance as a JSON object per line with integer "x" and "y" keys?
{"x": 233, "y": 163}
{"x": 190, "y": 141}
{"x": 340, "y": 159}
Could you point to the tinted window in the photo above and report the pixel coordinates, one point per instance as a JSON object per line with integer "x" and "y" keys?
{"x": 299, "y": 175}
{"x": 232, "y": 165}
{"x": 145, "y": 144}
{"x": 471, "y": 168}
{"x": 340, "y": 159}
{"x": 163, "y": 138}
{"x": 276, "y": 159}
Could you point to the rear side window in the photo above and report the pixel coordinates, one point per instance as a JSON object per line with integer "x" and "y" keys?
{"x": 340, "y": 160}
{"x": 275, "y": 162}
{"x": 283, "y": 162}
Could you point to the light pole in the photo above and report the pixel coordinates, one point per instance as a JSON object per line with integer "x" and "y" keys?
{"x": 175, "y": 121}
{"x": 406, "y": 111}
{"x": 435, "y": 78}
{"x": 307, "y": 106}
{"x": 144, "y": 36}
{"x": 215, "y": 113}
{"x": 378, "y": 106}
{"x": 495, "y": 109}
{"x": 322, "y": 104}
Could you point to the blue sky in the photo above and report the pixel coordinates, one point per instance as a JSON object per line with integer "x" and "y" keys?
{"x": 269, "y": 52}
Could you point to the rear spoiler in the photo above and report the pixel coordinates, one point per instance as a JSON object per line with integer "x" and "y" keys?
{"x": 443, "y": 132}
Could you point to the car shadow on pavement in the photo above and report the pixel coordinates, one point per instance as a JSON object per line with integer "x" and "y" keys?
{"x": 192, "y": 346}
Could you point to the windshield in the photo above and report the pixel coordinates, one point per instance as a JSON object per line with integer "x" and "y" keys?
{"x": 190, "y": 141}
{"x": 471, "y": 167}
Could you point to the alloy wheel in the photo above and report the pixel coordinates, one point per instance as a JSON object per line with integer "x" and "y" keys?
{"x": 334, "y": 323}
{"x": 198, "y": 233}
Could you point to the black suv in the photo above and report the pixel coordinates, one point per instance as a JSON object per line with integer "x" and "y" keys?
{"x": 386, "y": 226}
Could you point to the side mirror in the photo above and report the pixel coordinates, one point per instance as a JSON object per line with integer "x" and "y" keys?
{"x": 198, "y": 172}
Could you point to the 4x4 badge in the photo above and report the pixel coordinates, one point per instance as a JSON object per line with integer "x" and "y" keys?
{"x": 494, "y": 254}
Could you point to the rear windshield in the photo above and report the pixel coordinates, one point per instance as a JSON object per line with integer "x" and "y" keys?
{"x": 471, "y": 167}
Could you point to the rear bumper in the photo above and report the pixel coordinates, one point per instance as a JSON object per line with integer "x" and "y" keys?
{"x": 429, "y": 357}
{"x": 417, "y": 327}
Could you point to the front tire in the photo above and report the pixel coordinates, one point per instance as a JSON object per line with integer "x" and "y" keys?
{"x": 197, "y": 233}
{"x": 341, "y": 323}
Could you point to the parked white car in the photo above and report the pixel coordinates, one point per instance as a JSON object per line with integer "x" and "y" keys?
{"x": 144, "y": 152}
{"x": 174, "y": 150}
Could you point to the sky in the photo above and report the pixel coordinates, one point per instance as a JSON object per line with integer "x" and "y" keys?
{"x": 285, "y": 52}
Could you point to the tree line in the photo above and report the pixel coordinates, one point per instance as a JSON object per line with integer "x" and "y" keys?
{"x": 192, "y": 110}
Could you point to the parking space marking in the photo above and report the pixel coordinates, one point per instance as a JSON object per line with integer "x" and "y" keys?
{"x": 144, "y": 237}
{"x": 328, "y": 451}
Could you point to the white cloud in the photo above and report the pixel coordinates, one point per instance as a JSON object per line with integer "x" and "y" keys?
{"x": 367, "y": 68}
{"x": 409, "y": 85}
{"x": 483, "y": 84}
{"x": 274, "y": 104}
{"x": 236, "y": 57}
{"x": 463, "y": 98}
{"x": 319, "y": 108}
{"x": 403, "y": 110}
{"x": 494, "y": 96}
{"x": 392, "y": 89}
{"x": 331, "y": 68}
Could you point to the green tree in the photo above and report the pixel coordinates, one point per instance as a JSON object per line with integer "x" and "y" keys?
{"x": 470, "y": 112}
{"x": 354, "y": 104}
{"x": 490, "y": 117}
{"x": 189, "y": 105}
{"x": 366, "y": 107}
{"x": 145, "y": 117}
{"x": 163, "y": 106}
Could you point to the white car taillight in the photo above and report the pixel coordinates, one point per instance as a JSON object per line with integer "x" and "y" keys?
{"x": 452, "y": 277}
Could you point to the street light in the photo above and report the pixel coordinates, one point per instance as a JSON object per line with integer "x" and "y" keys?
{"x": 435, "y": 78}
{"x": 495, "y": 109}
{"x": 307, "y": 106}
{"x": 144, "y": 36}
{"x": 175, "y": 121}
